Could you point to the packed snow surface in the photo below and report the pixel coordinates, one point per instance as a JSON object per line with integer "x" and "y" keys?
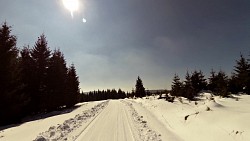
{"x": 143, "y": 119}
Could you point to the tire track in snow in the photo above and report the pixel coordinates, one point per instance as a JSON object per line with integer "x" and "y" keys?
{"x": 145, "y": 132}
{"x": 88, "y": 125}
{"x": 113, "y": 124}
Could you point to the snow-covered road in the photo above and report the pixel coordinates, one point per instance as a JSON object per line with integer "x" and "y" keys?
{"x": 114, "y": 123}
{"x": 142, "y": 119}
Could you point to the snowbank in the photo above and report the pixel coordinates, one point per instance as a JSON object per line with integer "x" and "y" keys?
{"x": 28, "y": 131}
{"x": 145, "y": 132}
{"x": 210, "y": 118}
{"x": 61, "y": 131}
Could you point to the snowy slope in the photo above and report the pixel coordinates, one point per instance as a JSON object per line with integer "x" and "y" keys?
{"x": 208, "y": 119}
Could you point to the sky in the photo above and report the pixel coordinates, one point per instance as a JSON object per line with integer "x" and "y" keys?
{"x": 123, "y": 39}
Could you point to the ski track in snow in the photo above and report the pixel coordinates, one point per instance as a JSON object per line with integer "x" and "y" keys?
{"x": 62, "y": 131}
{"x": 114, "y": 120}
{"x": 118, "y": 122}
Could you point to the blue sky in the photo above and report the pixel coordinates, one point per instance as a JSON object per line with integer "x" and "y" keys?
{"x": 126, "y": 38}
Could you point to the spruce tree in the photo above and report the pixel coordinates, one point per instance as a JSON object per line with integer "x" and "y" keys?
{"x": 139, "y": 88}
{"x": 114, "y": 94}
{"x": 41, "y": 56}
{"x": 72, "y": 84}
{"x": 233, "y": 84}
{"x": 241, "y": 75}
{"x": 27, "y": 77}
{"x": 218, "y": 83}
{"x": 177, "y": 86}
{"x": 198, "y": 81}
{"x": 56, "y": 80}
{"x": 132, "y": 95}
{"x": 188, "y": 88}
{"x": 222, "y": 84}
{"x": 121, "y": 94}
{"x": 211, "y": 81}
{"x": 11, "y": 96}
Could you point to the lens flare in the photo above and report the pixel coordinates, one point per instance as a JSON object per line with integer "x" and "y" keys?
{"x": 84, "y": 20}
{"x": 71, "y": 5}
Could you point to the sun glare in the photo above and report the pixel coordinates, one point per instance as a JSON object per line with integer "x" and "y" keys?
{"x": 71, "y": 5}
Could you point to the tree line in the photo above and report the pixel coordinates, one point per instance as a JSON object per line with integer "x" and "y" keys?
{"x": 33, "y": 80}
{"x": 114, "y": 94}
{"x": 102, "y": 95}
{"x": 218, "y": 82}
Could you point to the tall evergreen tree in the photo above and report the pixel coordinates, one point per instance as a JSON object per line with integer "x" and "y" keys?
{"x": 41, "y": 56}
{"x": 211, "y": 81}
{"x": 188, "y": 88}
{"x": 10, "y": 88}
{"x": 121, "y": 94}
{"x": 72, "y": 84}
{"x": 27, "y": 77}
{"x": 218, "y": 83}
{"x": 139, "y": 88}
{"x": 132, "y": 94}
{"x": 177, "y": 86}
{"x": 198, "y": 81}
{"x": 241, "y": 73}
{"x": 233, "y": 84}
{"x": 56, "y": 80}
{"x": 113, "y": 94}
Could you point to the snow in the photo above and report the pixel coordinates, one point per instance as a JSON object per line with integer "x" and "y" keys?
{"x": 146, "y": 119}
{"x": 63, "y": 131}
{"x": 114, "y": 123}
{"x": 28, "y": 131}
{"x": 118, "y": 122}
{"x": 210, "y": 118}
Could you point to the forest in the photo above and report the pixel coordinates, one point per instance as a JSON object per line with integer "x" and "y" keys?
{"x": 33, "y": 80}
{"x": 218, "y": 82}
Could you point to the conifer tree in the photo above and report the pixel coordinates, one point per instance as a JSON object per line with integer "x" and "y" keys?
{"x": 211, "y": 81}
{"x": 114, "y": 94}
{"x": 139, "y": 88}
{"x": 41, "y": 56}
{"x": 188, "y": 88}
{"x": 10, "y": 88}
{"x": 177, "y": 86}
{"x": 241, "y": 75}
{"x": 56, "y": 80}
{"x": 198, "y": 81}
{"x": 72, "y": 84}
{"x": 218, "y": 83}
{"x": 121, "y": 94}
{"x": 27, "y": 77}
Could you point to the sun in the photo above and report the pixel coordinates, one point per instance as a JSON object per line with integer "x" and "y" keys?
{"x": 71, "y": 5}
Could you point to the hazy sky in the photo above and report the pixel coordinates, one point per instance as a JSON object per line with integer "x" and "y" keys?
{"x": 126, "y": 38}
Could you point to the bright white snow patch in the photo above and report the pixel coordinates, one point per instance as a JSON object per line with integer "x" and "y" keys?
{"x": 145, "y": 132}
{"x": 210, "y": 118}
{"x": 28, "y": 131}
{"x": 61, "y": 131}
